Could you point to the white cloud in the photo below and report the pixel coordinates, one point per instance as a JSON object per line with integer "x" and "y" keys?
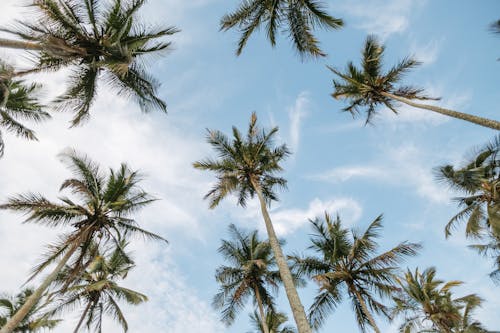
{"x": 287, "y": 221}
{"x": 296, "y": 113}
{"x": 402, "y": 166}
{"x": 381, "y": 17}
{"x": 427, "y": 52}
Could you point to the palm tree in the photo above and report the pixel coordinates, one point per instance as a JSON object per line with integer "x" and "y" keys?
{"x": 251, "y": 273}
{"x": 34, "y": 321}
{"x": 479, "y": 180}
{"x": 300, "y": 16}
{"x": 495, "y": 27}
{"x": 107, "y": 202}
{"x": 350, "y": 266}
{"x": 97, "y": 288}
{"x": 247, "y": 166}
{"x": 17, "y": 103}
{"x": 367, "y": 88}
{"x": 428, "y": 305}
{"x": 274, "y": 320}
{"x": 98, "y": 43}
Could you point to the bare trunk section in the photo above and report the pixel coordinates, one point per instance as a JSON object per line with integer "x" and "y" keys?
{"x": 450, "y": 113}
{"x": 286, "y": 276}
{"x": 263, "y": 322}
{"x": 14, "y": 321}
{"x": 20, "y": 45}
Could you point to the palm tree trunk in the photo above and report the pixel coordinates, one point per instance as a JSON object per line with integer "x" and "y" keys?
{"x": 263, "y": 322}
{"x": 458, "y": 115}
{"x": 84, "y": 314}
{"x": 286, "y": 276}
{"x": 14, "y": 321}
{"x": 367, "y": 312}
{"x": 14, "y": 44}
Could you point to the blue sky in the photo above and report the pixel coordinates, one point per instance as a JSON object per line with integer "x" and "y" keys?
{"x": 338, "y": 165}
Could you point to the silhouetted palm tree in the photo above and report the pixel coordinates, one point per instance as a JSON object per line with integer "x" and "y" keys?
{"x": 350, "y": 266}
{"x": 368, "y": 88}
{"x": 247, "y": 166}
{"x": 298, "y": 18}
{"x": 428, "y": 305}
{"x": 97, "y": 288}
{"x": 107, "y": 202}
{"x": 100, "y": 44}
{"x": 18, "y": 103}
{"x": 479, "y": 180}
{"x": 274, "y": 320}
{"x": 251, "y": 273}
{"x": 35, "y": 321}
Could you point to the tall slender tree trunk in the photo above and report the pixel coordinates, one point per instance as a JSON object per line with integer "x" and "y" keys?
{"x": 263, "y": 321}
{"x": 286, "y": 276}
{"x": 455, "y": 114}
{"x": 84, "y": 314}
{"x": 14, "y": 321}
{"x": 15, "y": 44}
{"x": 367, "y": 312}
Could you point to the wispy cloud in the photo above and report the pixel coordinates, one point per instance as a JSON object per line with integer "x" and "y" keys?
{"x": 287, "y": 221}
{"x": 296, "y": 113}
{"x": 381, "y": 17}
{"x": 402, "y": 166}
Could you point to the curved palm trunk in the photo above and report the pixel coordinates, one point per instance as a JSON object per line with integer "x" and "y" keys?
{"x": 286, "y": 276}
{"x": 263, "y": 322}
{"x": 84, "y": 314}
{"x": 14, "y": 44}
{"x": 458, "y": 115}
{"x": 369, "y": 316}
{"x": 16, "y": 319}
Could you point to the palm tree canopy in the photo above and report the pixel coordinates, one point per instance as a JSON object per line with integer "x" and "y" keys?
{"x": 347, "y": 263}
{"x": 97, "y": 287}
{"x": 252, "y": 269}
{"x": 479, "y": 180}
{"x": 98, "y": 42}
{"x": 428, "y": 305}
{"x": 298, "y": 18}
{"x": 243, "y": 163}
{"x": 18, "y": 103}
{"x": 107, "y": 202}
{"x": 363, "y": 87}
{"x": 34, "y": 322}
{"x": 275, "y": 321}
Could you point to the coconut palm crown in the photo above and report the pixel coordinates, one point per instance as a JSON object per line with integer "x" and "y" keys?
{"x": 428, "y": 305}
{"x": 479, "y": 180}
{"x": 18, "y": 103}
{"x": 103, "y": 208}
{"x": 36, "y": 321}
{"x": 244, "y": 163}
{"x": 252, "y": 273}
{"x": 368, "y": 88}
{"x": 100, "y": 43}
{"x": 298, "y": 18}
{"x": 348, "y": 264}
{"x": 276, "y": 321}
{"x": 97, "y": 288}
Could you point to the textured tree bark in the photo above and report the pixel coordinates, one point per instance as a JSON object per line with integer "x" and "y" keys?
{"x": 14, "y": 44}
{"x": 14, "y": 321}
{"x": 455, "y": 114}
{"x": 263, "y": 322}
{"x": 286, "y": 276}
